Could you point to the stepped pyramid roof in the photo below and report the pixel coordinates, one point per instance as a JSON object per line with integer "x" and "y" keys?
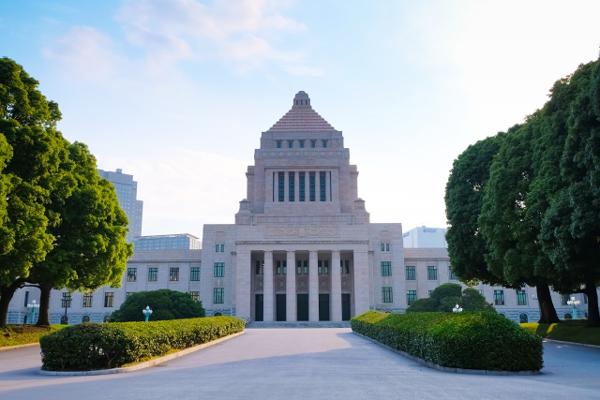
{"x": 301, "y": 118}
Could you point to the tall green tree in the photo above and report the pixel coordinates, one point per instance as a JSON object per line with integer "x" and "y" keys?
{"x": 507, "y": 224}
{"x": 27, "y": 122}
{"x": 464, "y": 197}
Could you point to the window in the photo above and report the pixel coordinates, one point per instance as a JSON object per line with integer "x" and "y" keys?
{"x": 195, "y": 295}
{"x": 194, "y": 274}
{"x": 311, "y": 185}
{"x": 429, "y": 292}
{"x": 385, "y": 247}
{"x": 174, "y": 274}
{"x": 324, "y": 142}
{"x": 278, "y": 143}
{"x": 152, "y": 274}
{"x": 302, "y": 183}
{"x": 87, "y": 299}
{"x": 452, "y": 274}
{"x": 259, "y": 267}
{"x": 322, "y": 186}
{"x": 290, "y": 144}
{"x": 411, "y": 296}
{"x": 386, "y": 292}
{"x": 26, "y": 298}
{"x": 301, "y": 143}
{"x": 499, "y": 297}
{"x": 431, "y": 273}
{"x": 131, "y": 274}
{"x": 345, "y": 264}
{"x": 108, "y": 299}
{"x": 281, "y": 186}
{"x": 292, "y": 186}
{"x": 65, "y": 302}
{"x": 386, "y": 268}
{"x": 218, "y": 295}
{"x": 521, "y": 297}
{"x": 280, "y": 267}
{"x": 302, "y": 267}
{"x": 564, "y": 298}
{"x": 523, "y": 318}
{"x": 219, "y": 270}
{"x": 85, "y": 318}
{"x": 323, "y": 266}
{"x": 411, "y": 273}
{"x": 220, "y": 248}
{"x": 313, "y": 143}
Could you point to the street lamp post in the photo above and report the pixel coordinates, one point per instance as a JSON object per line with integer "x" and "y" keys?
{"x": 31, "y": 309}
{"x": 457, "y": 309}
{"x": 573, "y": 302}
{"x": 66, "y": 303}
{"x": 147, "y": 313}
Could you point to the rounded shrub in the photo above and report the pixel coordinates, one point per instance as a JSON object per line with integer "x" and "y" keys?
{"x": 165, "y": 304}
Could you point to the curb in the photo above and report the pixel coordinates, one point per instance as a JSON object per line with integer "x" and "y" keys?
{"x": 19, "y": 346}
{"x": 593, "y": 346}
{"x": 448, "y": 369}
{"x": 142, "y": 365}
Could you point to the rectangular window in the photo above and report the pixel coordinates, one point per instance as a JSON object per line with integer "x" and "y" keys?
{"x": 322, "y": 186}
{"x": 174, "y": 274}
{"x": 66, "y": 300}
{"x": 521, "y": 297}
{"x": 218, "y": 295}
{"x": 387, "y": 294}
{"x": 194, "y": 274}
{"x": 131, "y": 274}
{"x": 195, "y": 295}
{"x": 324, "y": 142}
{"x": 411, "y": 296}
{"x": 292, "y": 186}
{"x": 152, "y": 274}
{"x": 219, "y": 270}
{"x": 281, "y": 186}
{"x": 302, "y": 183}
{"x": 278, "y": 143}
{"x": 499, "y": 297}
{"x": 302, "y": 267}
{"x": 432, "y": 273}
{"x": 108, "y": 299}
{"x": 313, "y": 143}
{"x": 312, "y": 185}
{"x": 87, "y": 299}
{"x": 386, "y": 268}
{"x": 345, "y": 264}
{"x": 290, "y": 144}
{"x": 259, "y": 267}
{"x": 451, "y": 274}
{"x": 385, "y": 247}
{"x": 323, "y": 266}
{"x": 411, "y": 273}
{"x": 301, "y": 143}
{"x": 281, "y": 267}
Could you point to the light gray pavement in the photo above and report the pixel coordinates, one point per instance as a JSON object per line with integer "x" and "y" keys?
{"x": 309, "y": 363}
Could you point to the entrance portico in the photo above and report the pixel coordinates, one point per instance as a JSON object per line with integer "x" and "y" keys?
{"x": 303, "y": 282}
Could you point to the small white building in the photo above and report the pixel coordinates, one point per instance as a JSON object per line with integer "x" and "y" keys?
{"x": 425, "y": 237}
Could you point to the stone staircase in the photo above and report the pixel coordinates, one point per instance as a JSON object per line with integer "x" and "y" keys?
{"x": 299, "y": 324}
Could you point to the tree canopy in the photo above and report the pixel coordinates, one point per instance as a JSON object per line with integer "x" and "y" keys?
{"x": 446, "y": 296}
{"x": 165, "y": 304}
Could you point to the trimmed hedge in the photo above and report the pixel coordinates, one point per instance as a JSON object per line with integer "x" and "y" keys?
{"x": 469, "y": 340}
{"x": 100, "y": 346}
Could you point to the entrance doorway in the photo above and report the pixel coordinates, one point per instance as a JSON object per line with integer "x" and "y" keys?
{"x": 280, "y": 307}
{"x": 258, "y": 307}
{"x": 324, "y": 307}
{"x": 302, "y": 307}
{"x": 346, "y": 306}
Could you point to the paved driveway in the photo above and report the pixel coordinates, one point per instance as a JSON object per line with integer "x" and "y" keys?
{"x": 303, "y": 364}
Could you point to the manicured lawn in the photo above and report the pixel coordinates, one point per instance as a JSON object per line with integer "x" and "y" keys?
{"x": 569, "y": 331}
{"x": 24, "y": 334}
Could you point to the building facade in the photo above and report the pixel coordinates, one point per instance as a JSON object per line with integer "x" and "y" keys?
{"x": 301, "y": 248}
{"x": 126, "y": 189}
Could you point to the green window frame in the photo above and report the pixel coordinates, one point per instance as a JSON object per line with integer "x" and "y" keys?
{"x": 174, "y": 274}
{"x": 195, "y": 295}
{"x": 131, "y": 274}
{"x": 219, "y": 270}
{"x": 152, "y": 274}
{"x": 292, "y": 186}
{"x": 108, "y": 299}
{"x": 218, "y": 295}
{"x": 281, "y": 186}
{"x": 302, "y": 186}
{"x": 432, "y": 274}
{"x": 322, "y": 186}
{"x": 312, "y": 179}
{"x": 386, "y": 268}
{"x": 521, "y": 297}
{"x": 411, "y": 273}
{"x": 411, "y": 296}
{"x": 387, "y": 295}
{"x": 88, "y": 299}
{"x": 499, "y": 297}
{"x": 194, "y": 274}
{"x": 323, "y": 267}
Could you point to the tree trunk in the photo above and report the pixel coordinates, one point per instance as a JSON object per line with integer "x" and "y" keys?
{"x": 593, "y": 312}
{"x": 44, "y": 305}
{"x": 6, "y": 294}
{"x": 547, "y": 311}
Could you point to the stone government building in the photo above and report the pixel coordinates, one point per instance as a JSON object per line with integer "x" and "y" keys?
{"x": 302, "y": 247}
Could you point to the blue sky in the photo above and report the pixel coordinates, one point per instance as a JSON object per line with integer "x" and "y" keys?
{"x": 177, "y": 92}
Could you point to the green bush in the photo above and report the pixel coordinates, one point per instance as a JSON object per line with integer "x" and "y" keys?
{"x": 469, "y": 340}
{"x": 99, "y": 346}
{"x": 446, "y": 296}
{"x": 165, "y": 304}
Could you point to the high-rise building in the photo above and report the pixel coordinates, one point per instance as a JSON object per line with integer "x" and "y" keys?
{"x": 167, "y": 242}
{"x": 126, "y": 189}
{"x": 425, "y": 237}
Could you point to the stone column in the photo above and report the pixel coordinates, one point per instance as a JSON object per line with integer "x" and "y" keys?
{"x": 361, "y": 281}
{"x": 268, "y": 286}
{"x": 336, "y": 287}
{"x": 243, "y": 274}
{"x": 313, "y": 287}
{"x": 290, "y": 287}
